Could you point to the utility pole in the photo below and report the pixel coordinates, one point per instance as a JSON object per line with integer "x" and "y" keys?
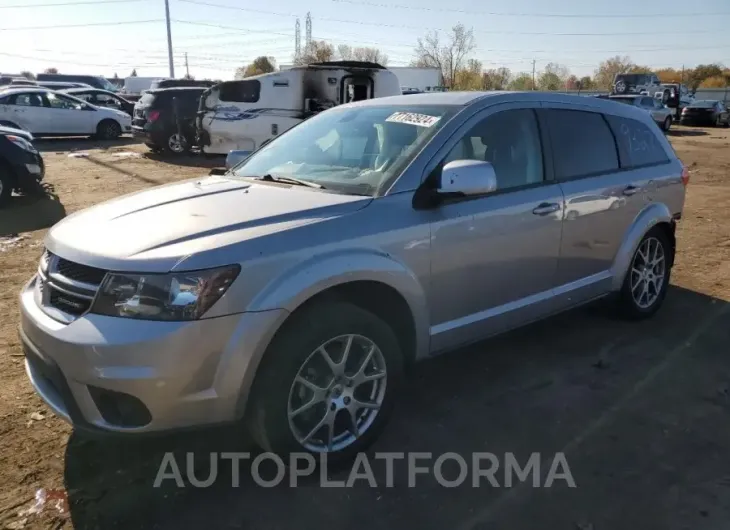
{"x": 187, "y": 70}
{"x": 169, "y": 39}
{"x": 533, "y": 74}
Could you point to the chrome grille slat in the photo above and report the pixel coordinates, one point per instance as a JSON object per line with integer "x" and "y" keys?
{"x": 67, "y": 287}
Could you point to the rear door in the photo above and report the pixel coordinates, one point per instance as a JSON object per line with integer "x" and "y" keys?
{"x": 28, "y": 112}
{"x": 601, "y": 201}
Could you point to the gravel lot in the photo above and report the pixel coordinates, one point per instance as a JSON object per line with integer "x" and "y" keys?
{"x": 640, "y": 410}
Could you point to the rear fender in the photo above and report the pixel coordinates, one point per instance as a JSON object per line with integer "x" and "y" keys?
{"x": 650, "y": 216}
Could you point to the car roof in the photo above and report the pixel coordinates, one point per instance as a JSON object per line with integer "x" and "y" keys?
{"x": 25, "y": 89}
{"x": 175, "y": 89}
{"x": 480, "y": 100}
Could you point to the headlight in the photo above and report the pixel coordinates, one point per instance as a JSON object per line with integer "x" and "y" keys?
{"x": 22, "y": 143}
{"x": 174, "y": 296}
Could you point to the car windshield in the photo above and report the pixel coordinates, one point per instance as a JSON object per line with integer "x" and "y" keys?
{"x": 107, "y": 85}
{"x": 355, "y": 150}
{"x": 703, "y": 104}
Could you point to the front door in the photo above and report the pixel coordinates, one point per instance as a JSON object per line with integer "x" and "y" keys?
{"x": 67, "y": 115}
{"x": 494, "y": 257}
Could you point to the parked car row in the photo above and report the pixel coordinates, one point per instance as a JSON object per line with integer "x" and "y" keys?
{"x": 45, "y": 112}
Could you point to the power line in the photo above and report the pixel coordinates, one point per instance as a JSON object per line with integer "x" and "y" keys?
{"x": 540, "y": 15}
{"x": 489, "y": 31}
{"x": 117, "y": 23}
{"x": 87, "y": 2}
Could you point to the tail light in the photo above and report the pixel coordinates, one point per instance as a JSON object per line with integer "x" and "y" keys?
{"x": 153, "y": 115}
{"x": 685, "y": 175}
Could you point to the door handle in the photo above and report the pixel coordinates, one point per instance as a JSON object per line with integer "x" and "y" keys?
{"x": 546, "y": 208}
{"x": 631, "y": 190}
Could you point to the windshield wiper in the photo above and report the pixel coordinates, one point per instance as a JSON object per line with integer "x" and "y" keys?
{"x": 290, "y": 180}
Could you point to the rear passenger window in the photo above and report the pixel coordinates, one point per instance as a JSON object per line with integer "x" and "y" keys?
{"x": 582, "y": 144}
{"x": 637, "y": 143}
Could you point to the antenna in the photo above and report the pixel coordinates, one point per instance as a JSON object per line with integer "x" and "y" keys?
{"x": 297, "y": 40}
{"x": 308, "y": 37}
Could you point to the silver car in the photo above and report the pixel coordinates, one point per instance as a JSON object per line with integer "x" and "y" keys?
{"x": 290, "y": 293}
{"x": 659, "y": 112}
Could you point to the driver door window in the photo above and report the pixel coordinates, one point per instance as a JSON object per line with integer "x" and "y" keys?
{"x": 510, "y": 140}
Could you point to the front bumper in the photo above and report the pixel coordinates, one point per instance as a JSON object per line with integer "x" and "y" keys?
{"x": 120, "y": 375}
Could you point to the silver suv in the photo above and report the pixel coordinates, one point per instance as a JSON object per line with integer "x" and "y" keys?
{"x": 291, "y": 293}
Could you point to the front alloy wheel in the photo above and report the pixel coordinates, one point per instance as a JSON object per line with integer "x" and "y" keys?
{"x": 337, "y": 393}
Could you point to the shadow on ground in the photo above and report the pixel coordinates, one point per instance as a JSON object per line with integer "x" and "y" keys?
{"x": 686, "y": 131}
{"x": 617, "y": 398}
{"x": 64, "y": 145}
{"x": 187, "y": 160}
{"x": 26, "y": 213}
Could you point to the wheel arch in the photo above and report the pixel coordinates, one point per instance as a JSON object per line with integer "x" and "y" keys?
{"x": 653, "y": 215}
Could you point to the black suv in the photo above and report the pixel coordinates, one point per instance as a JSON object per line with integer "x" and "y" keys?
{"x": 21, "y": 166}
{"x": 165, "y": 119}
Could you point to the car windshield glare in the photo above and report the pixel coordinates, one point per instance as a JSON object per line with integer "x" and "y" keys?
{"x": 353, "y": 150}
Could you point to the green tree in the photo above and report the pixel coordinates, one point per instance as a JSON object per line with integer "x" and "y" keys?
{"x": 553, "y": 77}
{"x": 522, "y": 81}
{"x": 260, "y": 65}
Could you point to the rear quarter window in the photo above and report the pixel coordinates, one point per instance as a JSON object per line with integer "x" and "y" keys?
{"x": 637, "y": 142}
{"x": 241, "y": 91}
{"x": 583, "y": 144}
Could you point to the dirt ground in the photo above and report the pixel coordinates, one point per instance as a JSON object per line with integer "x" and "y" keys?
{"x": 640, "y": 410}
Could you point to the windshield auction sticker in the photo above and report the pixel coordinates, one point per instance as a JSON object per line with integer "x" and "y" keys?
{"x": 412, "y": 118}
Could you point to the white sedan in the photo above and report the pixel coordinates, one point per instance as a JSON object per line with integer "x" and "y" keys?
{"x": 44, "y": 112}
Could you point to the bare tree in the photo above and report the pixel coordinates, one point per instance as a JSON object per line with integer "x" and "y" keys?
{"x": 553, "y": 77}
{"x": 449, "y": 57}
{"x": 27, "y": 75}
{"x": 372, "y": 55}
{"x": 344, "y": 52}
{"x": 496, "y": 78}
{"x": 50, "y": 71}
{"x": 317, "y": 51}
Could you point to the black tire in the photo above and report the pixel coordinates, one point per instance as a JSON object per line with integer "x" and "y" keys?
{"x": 667, "y": 124}
{"x": 177, "y": 144}
{"x": 7, "y": 181}
{"x": 267, "y": 417}
{"x": 108, "y": 130}
{"x": 627, "y": 305}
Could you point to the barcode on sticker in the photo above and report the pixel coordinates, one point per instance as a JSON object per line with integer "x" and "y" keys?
{"x": 413, "y": 118}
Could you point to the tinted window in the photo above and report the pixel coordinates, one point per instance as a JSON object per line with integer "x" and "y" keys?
{"x": 627, "y": 101}
{"x": 647, "y": 102}
{"x": 582, "y": 144}
{"x": 26, "y": 100}
{"x": 240, "y": 91}
{"x": 638, "y": 143}
{"x": 510, "y": 140}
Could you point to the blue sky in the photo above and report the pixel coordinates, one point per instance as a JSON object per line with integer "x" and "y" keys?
{"x": 218, "y": 39}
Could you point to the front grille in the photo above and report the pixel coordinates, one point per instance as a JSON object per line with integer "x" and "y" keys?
{"x": 80, "y": 273}
{"x": 67, "y": 286}
{"x": 69, "y": 303}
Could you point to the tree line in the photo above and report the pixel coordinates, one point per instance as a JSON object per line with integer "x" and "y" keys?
{"x": 453, "y": 53}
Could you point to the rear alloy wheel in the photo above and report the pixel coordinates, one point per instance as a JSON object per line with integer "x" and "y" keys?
{"x": 108, "y": 130}
{"x": 647, "y": 279}
{"x": 327, "y": 383}
{"x": 177, "y": 143}
{"x": 667, "y": 123}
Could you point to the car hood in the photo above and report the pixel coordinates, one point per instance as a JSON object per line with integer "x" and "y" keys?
{"x": 16, "y": 132}
{"x": 153, "y": 230}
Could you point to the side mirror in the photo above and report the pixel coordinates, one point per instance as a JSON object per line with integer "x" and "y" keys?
{"x": 468, "y": 177}
{"x": 235, "y": 157}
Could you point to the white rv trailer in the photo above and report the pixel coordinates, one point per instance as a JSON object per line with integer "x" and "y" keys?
{"x": 241, "y": 115}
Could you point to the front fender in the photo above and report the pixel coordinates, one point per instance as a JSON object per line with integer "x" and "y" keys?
{"x": 319, "y": 273}
{"x": 650, "y": 216}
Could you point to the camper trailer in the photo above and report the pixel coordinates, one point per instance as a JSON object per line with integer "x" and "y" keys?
{"x": 242, "y": 115}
